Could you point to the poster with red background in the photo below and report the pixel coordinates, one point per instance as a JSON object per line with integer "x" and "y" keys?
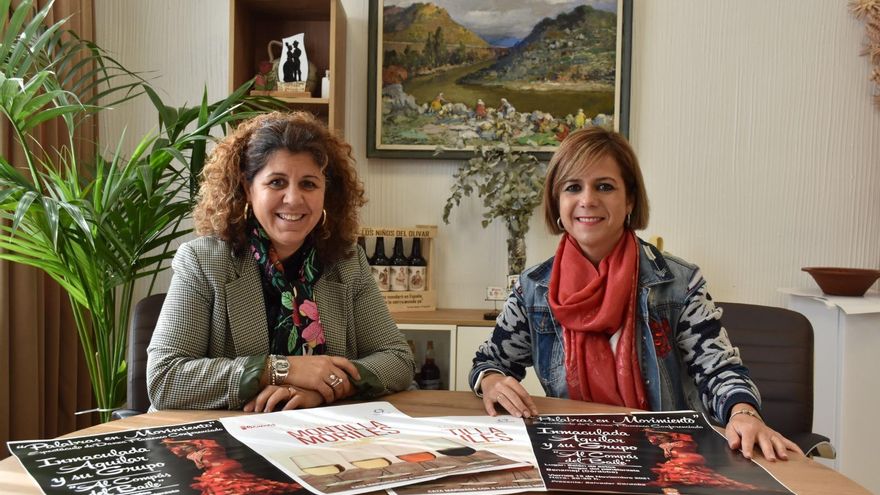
{"x": 665, "y": 452}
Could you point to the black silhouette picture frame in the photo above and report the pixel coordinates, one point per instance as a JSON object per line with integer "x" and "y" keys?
{"x": 294, "y": 64}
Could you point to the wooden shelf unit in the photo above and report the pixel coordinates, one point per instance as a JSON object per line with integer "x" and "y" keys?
{"x": 254, "y": 23}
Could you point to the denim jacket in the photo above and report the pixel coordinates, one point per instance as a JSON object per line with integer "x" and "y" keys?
{"x": 686, "y": 359}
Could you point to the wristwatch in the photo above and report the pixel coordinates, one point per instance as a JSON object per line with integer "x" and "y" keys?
{"x": 279, "y": 367}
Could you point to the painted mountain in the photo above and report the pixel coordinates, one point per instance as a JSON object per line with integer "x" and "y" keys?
{"x": 445, "y": 85}
{"x": 576, "y": 50}
{"x": 414, "y": 24}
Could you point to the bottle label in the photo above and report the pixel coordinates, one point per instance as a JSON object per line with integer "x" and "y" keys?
{"x": 417, "y": 278}
{"x": 380, "y": 274}
{"x": 399, "y": 278}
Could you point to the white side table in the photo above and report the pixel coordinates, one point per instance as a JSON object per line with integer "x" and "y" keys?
{"x": 846, "y": 385}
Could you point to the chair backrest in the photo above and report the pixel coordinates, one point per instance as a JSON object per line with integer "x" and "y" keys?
{"x": 776, "y": 345}
{"x": 143, "y": 321}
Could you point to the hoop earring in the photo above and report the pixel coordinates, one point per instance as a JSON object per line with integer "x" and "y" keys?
{"x": 628, "y": 215}
{"x": 247, "y": 210}
{"x": 559, "y": 223}
{"x": 325, "y": 233}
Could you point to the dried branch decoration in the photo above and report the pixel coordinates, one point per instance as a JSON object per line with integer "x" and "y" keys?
{"x": 869, "y": 10}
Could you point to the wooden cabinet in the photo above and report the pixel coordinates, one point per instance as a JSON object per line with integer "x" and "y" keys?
{"x": 456, "y": 334}
{"x": 254, "y": 23}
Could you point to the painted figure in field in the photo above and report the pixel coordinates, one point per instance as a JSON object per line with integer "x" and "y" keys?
{"x": 437, "y": 103}
{"x": 506, "y": 110}
{"x": 480, "y": 110}
{"x": 580, "y": 119}
{"x": 561, "y": 131}
{"x": 546, "y": 123}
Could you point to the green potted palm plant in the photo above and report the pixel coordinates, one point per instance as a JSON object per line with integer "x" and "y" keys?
{"x": 94, "y": 224}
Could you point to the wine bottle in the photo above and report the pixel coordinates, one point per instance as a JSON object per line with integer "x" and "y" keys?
{"x": 430, "y": 379}
{"x": 418, "y": 267}
{"x": 399, "y": 267}
{"x": 380, "y": 265}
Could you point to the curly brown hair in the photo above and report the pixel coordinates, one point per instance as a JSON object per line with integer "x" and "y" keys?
{"x": 235, "y": 161}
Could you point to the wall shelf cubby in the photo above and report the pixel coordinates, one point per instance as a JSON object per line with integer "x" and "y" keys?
{"x": 254, "y": 23}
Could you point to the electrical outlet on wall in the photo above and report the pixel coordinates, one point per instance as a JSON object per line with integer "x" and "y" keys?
{"x": 496, "y": 294}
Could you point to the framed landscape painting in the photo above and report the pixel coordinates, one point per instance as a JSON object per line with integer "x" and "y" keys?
{"x": 446, "y": 76}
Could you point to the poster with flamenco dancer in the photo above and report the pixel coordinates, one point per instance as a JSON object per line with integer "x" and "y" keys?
{"x": 360, "y": 448}
{"x": 666, "y": 453}
{"x": 187, "y": 459}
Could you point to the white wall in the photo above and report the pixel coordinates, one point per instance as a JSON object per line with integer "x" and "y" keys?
{"x": 760, "y": 146}
{"x": 752, "y": 120}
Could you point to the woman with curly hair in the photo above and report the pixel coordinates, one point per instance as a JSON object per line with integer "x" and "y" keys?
{"x": 274, "y": 305}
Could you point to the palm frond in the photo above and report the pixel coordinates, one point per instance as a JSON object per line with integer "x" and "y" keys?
{"x": 96, "y": 224}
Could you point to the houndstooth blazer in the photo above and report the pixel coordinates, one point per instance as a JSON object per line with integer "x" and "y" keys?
{"x": 214, "y": 317}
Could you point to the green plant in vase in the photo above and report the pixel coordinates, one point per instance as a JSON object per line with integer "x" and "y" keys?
{"x": 94, "y": 224}
{"x": 509, "y": 183}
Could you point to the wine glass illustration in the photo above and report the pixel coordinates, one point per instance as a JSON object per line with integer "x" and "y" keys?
{"x": 319, "y": 463}
{"x": 410, "y": 452}
{"x": 371, "y": 456}
{"x": 447, "y": 446}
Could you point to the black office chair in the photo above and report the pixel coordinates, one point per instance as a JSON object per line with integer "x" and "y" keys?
{"x": 776, "y": 345}
{"x": 143, "y": 321}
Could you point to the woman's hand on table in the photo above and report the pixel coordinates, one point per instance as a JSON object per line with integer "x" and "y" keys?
{"x": 272, "y": 396}
{"x": 745, "y": 432}
{"x": 326, "y": 375}
{"x": 507, "y": 392}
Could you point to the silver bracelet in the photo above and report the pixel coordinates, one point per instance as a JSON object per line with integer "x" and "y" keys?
{"x": 748, "y": 412}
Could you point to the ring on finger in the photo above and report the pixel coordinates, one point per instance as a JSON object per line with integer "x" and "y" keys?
{"x": 336, "y": 382}
{"x": 290, "y": 392}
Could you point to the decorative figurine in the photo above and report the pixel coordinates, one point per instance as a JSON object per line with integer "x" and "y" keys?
{"x": 294, "y": 67}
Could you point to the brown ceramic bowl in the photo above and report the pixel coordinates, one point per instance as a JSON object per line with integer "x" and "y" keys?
{"x": 843, "y": 281}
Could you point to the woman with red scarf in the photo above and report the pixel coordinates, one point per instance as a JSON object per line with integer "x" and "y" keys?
{"x": 610, "y": 318}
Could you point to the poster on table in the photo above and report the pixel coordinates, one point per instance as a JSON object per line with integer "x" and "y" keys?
{"x": 503, "y": 435}
{"x": 665, "y": 452}
{"x": 360, "y": 448}
{"x": 192, "y": 458}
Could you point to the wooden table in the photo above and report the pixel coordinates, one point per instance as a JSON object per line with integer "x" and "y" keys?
{"x": 800, "y": 474}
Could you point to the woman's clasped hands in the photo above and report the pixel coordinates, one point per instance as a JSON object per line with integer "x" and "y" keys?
{"x": 311, "y": 381}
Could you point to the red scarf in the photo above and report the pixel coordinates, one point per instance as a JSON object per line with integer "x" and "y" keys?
{"x": 592, "y": 304}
